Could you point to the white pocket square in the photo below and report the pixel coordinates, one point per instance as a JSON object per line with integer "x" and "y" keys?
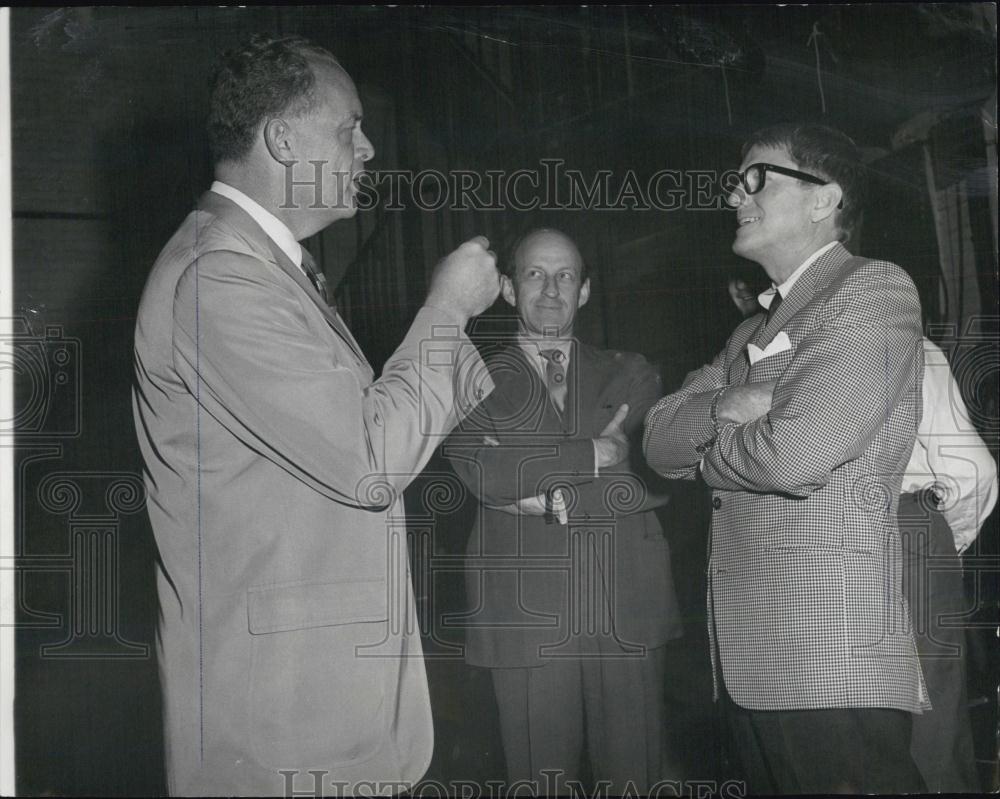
{"x": 779, "y": 343}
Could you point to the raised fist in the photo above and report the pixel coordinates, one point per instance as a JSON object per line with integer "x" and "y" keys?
{"x": 466, "y": 282}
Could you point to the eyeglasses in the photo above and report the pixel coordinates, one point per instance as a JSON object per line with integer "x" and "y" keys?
{"x": 753, "y": 177}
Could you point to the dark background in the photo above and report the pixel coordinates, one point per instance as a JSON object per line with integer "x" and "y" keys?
{"x": 109, "y": 155}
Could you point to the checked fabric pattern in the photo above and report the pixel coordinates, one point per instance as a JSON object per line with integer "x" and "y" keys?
{"x": 805, "y": 565}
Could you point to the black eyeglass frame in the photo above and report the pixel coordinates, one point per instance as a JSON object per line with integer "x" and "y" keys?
{"x": 781, "y": 170}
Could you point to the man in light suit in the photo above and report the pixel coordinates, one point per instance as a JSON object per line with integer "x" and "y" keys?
{"x": 802, "y": 426}
{"x": 275, "y": 459}
{"x": 568, "y": 570}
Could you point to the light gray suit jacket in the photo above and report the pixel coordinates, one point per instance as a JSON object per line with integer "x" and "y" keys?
{"x": 805, "y": 568}
{"x": 274, "y": 467}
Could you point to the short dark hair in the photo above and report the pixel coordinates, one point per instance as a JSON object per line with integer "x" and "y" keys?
{"x": 828, "y": 154}
{"x": 508, "y": 264}
{"x": 261, "y": 78}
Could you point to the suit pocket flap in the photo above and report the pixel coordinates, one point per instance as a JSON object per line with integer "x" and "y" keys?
{"x": 278, "y": 608}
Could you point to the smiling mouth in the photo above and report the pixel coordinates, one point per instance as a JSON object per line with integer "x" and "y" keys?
{"x": 747, "y": 220}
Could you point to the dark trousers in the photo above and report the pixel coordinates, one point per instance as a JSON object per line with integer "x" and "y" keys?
{"x": 942, "y": 745}
{"x": 849, "y": 750}
{"x": 610, "y": 705}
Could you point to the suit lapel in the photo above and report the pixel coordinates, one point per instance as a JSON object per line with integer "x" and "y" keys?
{"x": 332, "y": 317}
{"x": 268, "y": 249}
{"x": 526, "y": 393}
{"x": 575, "y": 374}
{"x": 588, "y": 377}
{"x": 817, "y": 276}
{"x": 739, "y": 358}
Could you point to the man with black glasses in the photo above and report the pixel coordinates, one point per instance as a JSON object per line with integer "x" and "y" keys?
{"x": 802, "y": 426}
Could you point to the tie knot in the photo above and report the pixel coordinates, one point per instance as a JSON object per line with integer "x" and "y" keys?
{"x": 772, "y": 309}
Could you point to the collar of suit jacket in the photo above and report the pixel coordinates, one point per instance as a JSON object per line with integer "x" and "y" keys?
{"x": 820, "y": 273}
{"x": 262, "y": 244}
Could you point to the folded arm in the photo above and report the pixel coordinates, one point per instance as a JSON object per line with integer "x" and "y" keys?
{"x": 845, "y": 380}
{"x": 515, "y": 473}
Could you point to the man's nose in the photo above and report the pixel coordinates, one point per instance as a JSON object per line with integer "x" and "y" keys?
{"x": 736, "y": 197}
{"x": 550, "y": 288}
{"x": 365, "y": 149}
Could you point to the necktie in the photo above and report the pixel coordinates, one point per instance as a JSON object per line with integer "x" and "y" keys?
{"x": 772, "y": 309}
{"x": 555, "y": 375}
{"x": 316, "y": 277}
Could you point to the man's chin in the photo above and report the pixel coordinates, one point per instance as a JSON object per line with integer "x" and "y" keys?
{"x": 344, "y": 210}
{"x": 545, "y": 329}
{"x": 741, "y": 247}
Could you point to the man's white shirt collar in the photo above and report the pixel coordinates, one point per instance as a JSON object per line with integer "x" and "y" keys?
{"x": 765, "y": 297}
{"x": 276, "y": 229}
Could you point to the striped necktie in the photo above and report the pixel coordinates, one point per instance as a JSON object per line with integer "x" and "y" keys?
{"x": 315, "y": 275}
{"x": 555, "y": 375}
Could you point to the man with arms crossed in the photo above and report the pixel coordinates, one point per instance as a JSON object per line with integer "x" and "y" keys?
{"x": 274, "y": 457}
{"x": 802, "y": 427}
{"x": 568, "y": 569}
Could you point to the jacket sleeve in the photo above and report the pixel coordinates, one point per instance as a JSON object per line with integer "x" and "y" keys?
{"x": 502, "y": 465}
{"x": 502, "y": 460}
{"x": 244, "y": 348}
{"x": 679, "y": 427}
{"x": 630, "y": 486}
{"x": 840, "y": 388}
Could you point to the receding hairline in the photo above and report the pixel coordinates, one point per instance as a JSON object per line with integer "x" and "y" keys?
{"x": 328, "y": 75}
{"x": 541, "y": 233}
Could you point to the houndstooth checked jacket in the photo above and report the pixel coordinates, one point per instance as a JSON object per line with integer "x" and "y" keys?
{"x": 805, "y": 566}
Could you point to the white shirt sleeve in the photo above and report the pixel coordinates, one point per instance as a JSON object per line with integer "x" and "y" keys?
{"x": 950, "y": 455}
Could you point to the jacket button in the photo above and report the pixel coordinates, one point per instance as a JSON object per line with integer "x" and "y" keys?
{"x": 716, "y": 502}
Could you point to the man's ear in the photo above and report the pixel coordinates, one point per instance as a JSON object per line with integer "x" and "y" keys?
{"x": 828, "y": 197}
{"x": 277, "y": 138}
{"x": 584, "y": 293}
{"x": 507, "y": 290}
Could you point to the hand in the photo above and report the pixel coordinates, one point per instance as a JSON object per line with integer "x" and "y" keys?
{"x": 466, "y": 282}
{"x": 741, "y": 404}
{"x": 529, "y": 506}
{"x": 612, "y": 445}
{"x": 536, "y": 506}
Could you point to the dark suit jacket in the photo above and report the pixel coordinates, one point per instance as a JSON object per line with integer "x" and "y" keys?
{"x": 534, "y": 586}
{"x": 274, "y": 461}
